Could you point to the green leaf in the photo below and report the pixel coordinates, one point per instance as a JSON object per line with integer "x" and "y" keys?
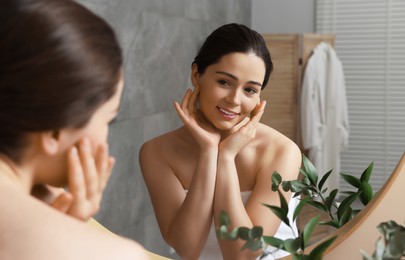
{"x": 318, "y": 251}
{"x": 354, "y": 181}
{"x": 345, "y": 217}
{"x": 347, "y": 192}
{"x": 256, "y": 232}
{"x": 366, "y": 256}
{"x": 286, "y": 185}
{"x": 276, "y": 242}
{"x": 298, "y": 257}
{"x": 330, "y": 199}
{"x": 365, "y": 176}
{"x": 332, "y": 223}
{"x": 222, "y": 232}
{"x": 298, "y": 186}
{"x": 379, "y": 249}
{"x": 224, "y": 219}
{"x": 243, "y": 233}
{"x": 292, "y": 244}
{"x": 323, "y": 180}
{"x": 280, "y": 213}
{"x": 283, "y": 202}
{"x": 299, "y": 207}
{"x": 318, "y": 205}
{"x": 310, "y": 170}
{"x": 366, "y": 192}
{"x": 275, "y": 180}
{"x": 253, "y": 245}
{"x": 346, "y": 204}
{"x": 308, "y": 229}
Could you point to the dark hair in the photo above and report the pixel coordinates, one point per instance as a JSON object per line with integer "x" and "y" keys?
{"x": 232, "y": 38}
{"x": 59, "y": 63}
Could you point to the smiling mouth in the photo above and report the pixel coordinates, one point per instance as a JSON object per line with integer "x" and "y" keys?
{"x": 227, "y": 114}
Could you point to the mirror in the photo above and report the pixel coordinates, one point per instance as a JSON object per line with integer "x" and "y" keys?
{"x": 159, "y": 40}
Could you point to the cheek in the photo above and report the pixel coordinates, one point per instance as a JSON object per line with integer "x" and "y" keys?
{"x": 251, "y": 104}
{"x": 97, "y": 135}
{"x": 98, "y": 138}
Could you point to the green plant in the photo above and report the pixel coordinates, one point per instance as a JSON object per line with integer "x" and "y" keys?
{"x": 313, "y": 193}
{"x": 392, "y": 245}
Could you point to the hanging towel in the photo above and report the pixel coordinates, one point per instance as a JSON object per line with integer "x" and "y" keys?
{"x": 324, "y": 116}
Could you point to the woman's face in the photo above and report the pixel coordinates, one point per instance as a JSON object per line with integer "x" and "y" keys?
{"x": 96, "y": 131}
{"x": 230, "y": 89}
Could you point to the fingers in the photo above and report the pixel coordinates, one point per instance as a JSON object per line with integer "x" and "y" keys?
{"x": 192, "y": 106}
{"x": 186, "y": 100}
{"x": 63, "y": 202}
{"x": 180, "y": 112}
{"x": 75, "y": 175}
{"x": 91, "y": 177}
{"x": 104, "y": 167}
{"x": 258, "y": 112}
{"x": 187, "y": 108}
{"x": 88, "y": 175}
{"x": 252, "y": 124}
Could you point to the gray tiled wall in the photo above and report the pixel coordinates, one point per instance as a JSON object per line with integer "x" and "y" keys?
{"x": 160, "y": 39}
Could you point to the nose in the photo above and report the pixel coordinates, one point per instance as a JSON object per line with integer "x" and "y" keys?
{"x": 234, "y": 97}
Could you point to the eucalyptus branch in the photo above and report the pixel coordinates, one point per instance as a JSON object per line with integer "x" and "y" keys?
{"x": 309, "y": 188}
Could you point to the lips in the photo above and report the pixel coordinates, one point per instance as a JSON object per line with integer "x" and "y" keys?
{"x": 227, "y": 114}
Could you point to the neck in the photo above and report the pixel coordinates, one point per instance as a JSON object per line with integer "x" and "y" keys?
{"x": 15, "y": 175}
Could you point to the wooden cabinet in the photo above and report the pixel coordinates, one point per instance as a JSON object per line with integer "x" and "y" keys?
{"x": 290, "y": 53}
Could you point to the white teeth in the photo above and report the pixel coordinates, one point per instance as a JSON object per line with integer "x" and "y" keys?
{"x": 227, "y": 113}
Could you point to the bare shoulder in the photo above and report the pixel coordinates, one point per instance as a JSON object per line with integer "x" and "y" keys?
{"x": 278, "y": 151}
{"x": 159, "y": 146}
{"x": 275, "y": 141}
{"x": 31, "y": 228}
{"x": 166, "y": 151}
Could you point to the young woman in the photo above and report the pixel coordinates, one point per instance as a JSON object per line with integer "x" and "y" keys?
{"x": 222, "y": 158}
{"x": 60, "y": 86}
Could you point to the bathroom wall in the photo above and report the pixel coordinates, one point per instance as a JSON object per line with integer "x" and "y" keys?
{"x": 160, "y": 39}
{"x": 283, "y": 16}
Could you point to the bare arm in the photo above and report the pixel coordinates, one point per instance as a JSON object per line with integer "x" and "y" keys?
{"x": 285, "y": 159}
{"x": 228, "y": 198}
{"x": 183, "y": 217}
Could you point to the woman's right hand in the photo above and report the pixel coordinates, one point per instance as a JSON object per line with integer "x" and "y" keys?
{"x": 87, "y": 177}
{"x": 202, "y": 131}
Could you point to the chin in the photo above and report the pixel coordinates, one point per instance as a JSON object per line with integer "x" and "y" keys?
{"x": 229, "y": 125}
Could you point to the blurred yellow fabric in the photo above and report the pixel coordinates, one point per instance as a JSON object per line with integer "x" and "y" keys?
{"x": 152, "y": 256}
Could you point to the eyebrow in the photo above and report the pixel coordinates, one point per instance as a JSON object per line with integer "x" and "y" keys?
{"x": 236, "y": 78}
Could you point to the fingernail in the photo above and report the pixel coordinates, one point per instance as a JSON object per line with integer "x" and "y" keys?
{"x": 85, "y": 143}
{"x": 74, "y": 151}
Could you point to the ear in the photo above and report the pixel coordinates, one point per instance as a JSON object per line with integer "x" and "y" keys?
{"x": 195, "y": 75}
{"x": 50, "y": 142}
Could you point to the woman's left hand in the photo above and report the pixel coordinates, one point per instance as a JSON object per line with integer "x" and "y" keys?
{"x": 237, "y": 140}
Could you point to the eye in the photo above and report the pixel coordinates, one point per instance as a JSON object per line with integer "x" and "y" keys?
{"x": 251, "y": 91}
{"x": 223, "y": 82}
